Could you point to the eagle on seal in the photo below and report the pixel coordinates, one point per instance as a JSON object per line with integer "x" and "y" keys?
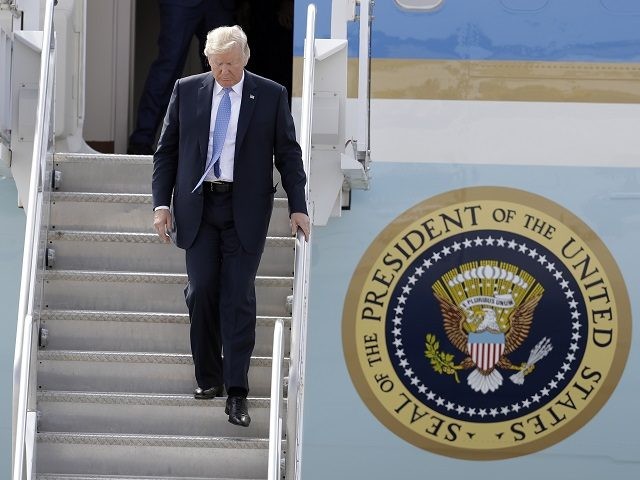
{"x": 458, "y": 326}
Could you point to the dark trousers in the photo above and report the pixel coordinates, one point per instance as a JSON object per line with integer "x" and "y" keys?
{"x": 178, "y": 24}
{"x": 221, "y": 299}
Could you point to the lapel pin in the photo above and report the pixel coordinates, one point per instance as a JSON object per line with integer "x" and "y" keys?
{"x": 251, "y": 97}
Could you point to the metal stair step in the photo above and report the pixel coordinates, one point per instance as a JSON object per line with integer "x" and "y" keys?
{"x": 104, "y": 172}
{"x": 143, "y": 291}
{"x": 146, "y": 414}
{"x": 138, "y": 331}
{"x": 56, "y": 476}
{"x": 131, "y": 212}
{"x": 151, "y": 455}
{"x": 134, "y": 372}
{"x": 111, "y": 172}
{"x": 140, "y": 251}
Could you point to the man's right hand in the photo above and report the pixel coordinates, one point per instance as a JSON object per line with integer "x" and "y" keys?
{"x": 162, "y": 224}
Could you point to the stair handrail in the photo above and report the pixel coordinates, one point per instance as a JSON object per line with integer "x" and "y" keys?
{"x": 295, "y": 391}
{"x": 23, "y": 443}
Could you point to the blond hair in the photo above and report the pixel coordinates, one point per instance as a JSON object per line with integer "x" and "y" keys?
{"x": 223, "y": 39}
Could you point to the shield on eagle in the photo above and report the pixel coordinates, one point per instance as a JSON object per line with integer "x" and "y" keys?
{"x": 485, "y": 348}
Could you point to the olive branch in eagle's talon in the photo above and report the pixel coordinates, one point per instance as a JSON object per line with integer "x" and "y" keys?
{"x": 441, "y": 362}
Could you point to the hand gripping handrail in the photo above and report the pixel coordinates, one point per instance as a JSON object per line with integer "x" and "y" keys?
{"x": 22, "y": 443}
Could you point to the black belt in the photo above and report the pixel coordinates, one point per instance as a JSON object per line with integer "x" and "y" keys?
{"x": 217, "y": 187}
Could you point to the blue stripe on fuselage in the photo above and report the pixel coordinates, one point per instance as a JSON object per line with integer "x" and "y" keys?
{"x": 562, "y": 30}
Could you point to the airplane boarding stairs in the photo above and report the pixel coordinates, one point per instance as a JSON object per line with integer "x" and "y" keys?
{"x": 114, "y": 374}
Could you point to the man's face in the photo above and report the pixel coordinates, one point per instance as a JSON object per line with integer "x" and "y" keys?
{"x": 227, "y": 67}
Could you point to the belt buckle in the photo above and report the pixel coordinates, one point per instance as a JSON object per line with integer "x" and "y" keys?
{"x": 219, "y": 186}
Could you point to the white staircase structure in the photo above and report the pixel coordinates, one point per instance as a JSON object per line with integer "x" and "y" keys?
{"x": 103, "y": 375}
{"x": 114, "y": 369}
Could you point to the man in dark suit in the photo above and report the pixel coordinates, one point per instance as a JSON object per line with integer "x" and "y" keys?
{"x": 180, "y": 20}
{"x": 221, "y": 134}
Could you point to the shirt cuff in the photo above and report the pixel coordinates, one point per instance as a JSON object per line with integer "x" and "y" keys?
{"x": 161, "y": 207}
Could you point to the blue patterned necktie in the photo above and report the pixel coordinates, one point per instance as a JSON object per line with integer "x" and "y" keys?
{"x": 219, "y": 134}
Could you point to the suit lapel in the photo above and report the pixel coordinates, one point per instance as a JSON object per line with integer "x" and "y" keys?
{"x": 246, "y": 109}
{"x": 203, "y": 116}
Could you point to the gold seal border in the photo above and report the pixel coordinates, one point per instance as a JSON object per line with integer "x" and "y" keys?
{"x": 513, "y": 196}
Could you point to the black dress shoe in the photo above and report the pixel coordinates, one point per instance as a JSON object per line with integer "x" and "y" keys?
{"x": 207, "y": 393}
{"x": 237, "y": 410}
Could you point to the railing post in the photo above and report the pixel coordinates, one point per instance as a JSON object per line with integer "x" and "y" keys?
{"x": 364, "y": 82}
{"x": 31, "y": 428}
{"x": 275, "y": 418}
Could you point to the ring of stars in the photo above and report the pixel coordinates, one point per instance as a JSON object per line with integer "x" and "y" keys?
{"x": 505, "y": 410}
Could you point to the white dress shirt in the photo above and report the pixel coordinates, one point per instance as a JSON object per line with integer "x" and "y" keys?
{"x": 229, "y": 147}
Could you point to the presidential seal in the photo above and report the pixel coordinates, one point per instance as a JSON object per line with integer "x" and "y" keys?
{"x": 486, "y": 323}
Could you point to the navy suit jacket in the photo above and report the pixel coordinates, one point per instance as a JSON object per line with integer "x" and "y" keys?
{"x": 265, "y": 133}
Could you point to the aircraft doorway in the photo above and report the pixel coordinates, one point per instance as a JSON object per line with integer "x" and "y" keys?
{"x": 269, "y": 28}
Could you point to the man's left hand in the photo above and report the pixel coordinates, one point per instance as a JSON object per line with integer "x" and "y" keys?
{"x": 301, "y": 221}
